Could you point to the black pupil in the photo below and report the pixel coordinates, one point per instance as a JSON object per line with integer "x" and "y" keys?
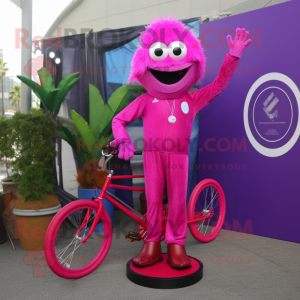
{"x": 177, "y": 51}
{"x": 158, "y": 52}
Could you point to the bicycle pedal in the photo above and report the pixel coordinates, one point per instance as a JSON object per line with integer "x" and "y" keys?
{"x": 132, "y": 237}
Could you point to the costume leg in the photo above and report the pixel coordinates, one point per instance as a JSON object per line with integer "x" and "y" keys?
{"x": 176, "y": 228}
{"x": 154, "y": 187}
{"x": 177, "y": 180}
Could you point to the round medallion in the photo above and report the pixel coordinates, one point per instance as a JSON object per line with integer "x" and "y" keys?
{"x": 172, "y": 119}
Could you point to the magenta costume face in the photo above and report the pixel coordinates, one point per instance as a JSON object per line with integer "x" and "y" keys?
{"x": 169, "y": 60}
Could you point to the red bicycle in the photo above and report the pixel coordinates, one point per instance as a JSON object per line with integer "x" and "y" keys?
{"x": 73, "y": 249}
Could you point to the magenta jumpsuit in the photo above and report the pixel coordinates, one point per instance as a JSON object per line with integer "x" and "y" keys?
{"x": 166, "y": 148}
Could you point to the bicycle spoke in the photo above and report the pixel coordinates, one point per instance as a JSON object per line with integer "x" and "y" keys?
{"x": 212, "y": 200}
{"x": 64, "y": 250}
{"x": 67, "y": 255}
{"x": 200, "y": 227}
{"x": 206, "y": 227}
{"x": 65, "y": 246}
{"x": 217, "y": 202}
{"x": 208, "y": 199}
{"x": 206, "y": 191}
{"x": 71, "y": 258}
{"x": 69, "y": 250}
{"x": 71, "y": 255}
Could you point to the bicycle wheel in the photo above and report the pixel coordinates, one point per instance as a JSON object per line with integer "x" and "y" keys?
{"x": 206, "y": 196}
{"x": 65, "y": 253}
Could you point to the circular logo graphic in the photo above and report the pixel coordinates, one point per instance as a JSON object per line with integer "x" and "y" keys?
{"x": 267, "y": 104}
{"x": 272, "y": 114}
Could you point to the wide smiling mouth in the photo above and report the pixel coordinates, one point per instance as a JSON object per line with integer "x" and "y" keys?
{"x": 169, "y": 77}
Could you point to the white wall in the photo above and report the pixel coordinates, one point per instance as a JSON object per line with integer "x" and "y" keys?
{"x": 101, "y": 14}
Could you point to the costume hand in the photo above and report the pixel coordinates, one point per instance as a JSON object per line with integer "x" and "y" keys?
{"x": 239, "y": 44}
{"x": 126, "y": 148}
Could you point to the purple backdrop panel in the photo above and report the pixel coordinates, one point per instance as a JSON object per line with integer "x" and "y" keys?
{"x": 248, "y": 136}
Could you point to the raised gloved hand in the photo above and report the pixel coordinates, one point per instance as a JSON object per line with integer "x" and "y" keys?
{"x": 126, "y": 148}
{"x": 239, "y": 44}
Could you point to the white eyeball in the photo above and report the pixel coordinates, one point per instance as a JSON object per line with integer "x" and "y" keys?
{"x": 177, "y": 50}
{"x": 158, "y": 51}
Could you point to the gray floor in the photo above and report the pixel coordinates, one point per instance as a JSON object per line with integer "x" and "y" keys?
{"x": 267, "y": 269}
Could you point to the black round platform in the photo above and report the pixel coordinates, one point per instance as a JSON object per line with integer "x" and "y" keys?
{"x": 162, "y": 276}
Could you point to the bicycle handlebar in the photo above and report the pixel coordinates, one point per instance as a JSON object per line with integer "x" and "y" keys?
{"x": 109, "y": 154}
{"x": 116, "y": 152}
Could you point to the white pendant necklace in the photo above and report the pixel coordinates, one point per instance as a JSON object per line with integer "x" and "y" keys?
{"x": 172, "y": 118}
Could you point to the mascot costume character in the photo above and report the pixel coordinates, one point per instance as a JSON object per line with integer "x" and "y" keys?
{"x": 168, "y": 62}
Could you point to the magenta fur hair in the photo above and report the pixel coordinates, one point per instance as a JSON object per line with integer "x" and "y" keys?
{"x": 165, "y": 31}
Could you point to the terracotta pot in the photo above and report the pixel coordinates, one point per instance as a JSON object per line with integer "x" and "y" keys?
{"x": 32, "y": 226}
{"x": 8, "y": 186}
{"x": 8, "y": 196}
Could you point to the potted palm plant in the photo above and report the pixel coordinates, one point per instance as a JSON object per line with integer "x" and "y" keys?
{"x": 32, "y": 134}
{"x": 50, "y": 96}
{"x": 87, "y": 140}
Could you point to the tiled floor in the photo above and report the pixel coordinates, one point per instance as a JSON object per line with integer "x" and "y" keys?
{"x": 236, "y": 267}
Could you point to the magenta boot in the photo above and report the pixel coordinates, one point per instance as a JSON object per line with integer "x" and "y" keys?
{"x": 149, "y": 255}
{"x": 177, "y": 257}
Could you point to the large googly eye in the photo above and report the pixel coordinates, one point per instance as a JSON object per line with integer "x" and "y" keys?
{"x": 177, "y": 50}
{"x": 158, "y": 51}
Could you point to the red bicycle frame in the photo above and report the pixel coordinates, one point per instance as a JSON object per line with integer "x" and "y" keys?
{"x": 104, "y": 194}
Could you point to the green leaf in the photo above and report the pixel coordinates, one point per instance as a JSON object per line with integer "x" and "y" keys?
{"x": 64, "y": 91}
{"x": 49, "y": 101}
{"x": 85, "y": 132}
{"x": 32, "y": 135}
{"x": 69, "y": 124}
{"x": 47, "y": 86}
{"x": 40, "y": 92}
{"x": 64, "y": 87}
{"x": 65, "y": 134}
{"x": 46, "y": 79}
{"x": 66, "y": 80}
{"x": 96, "y": 109}
{"x": 61, "y": 134}
{"x": 33, "y": 85}
{"x": 111, "y": 137}
{"x": 115, "y": 104}
{"x": 43, "y": 94}
{"x": 102, "y": 141}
